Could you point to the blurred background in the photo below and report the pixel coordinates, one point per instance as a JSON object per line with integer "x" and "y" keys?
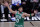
{"x": 28, "y": 6}
{"x": 7, "y": 19}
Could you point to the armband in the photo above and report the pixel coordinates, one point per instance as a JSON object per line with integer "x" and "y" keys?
{"x": 30, "y": 15}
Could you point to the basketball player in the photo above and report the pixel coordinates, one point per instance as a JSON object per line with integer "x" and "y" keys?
{"x": 19, "y": 15}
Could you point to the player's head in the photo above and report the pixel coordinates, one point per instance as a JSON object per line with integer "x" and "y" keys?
{"x": 20, "y": 9}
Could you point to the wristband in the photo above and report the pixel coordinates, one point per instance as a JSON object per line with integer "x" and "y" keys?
{"x": 30, "y": 15}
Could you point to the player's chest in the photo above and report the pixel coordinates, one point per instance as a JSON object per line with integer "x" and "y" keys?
{"x": 18, "y": 16}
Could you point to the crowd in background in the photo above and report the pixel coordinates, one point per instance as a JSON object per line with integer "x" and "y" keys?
{"x": 28, "y": 6}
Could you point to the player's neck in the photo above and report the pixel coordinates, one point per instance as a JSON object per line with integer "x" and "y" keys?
{"x": 19, "y": 12}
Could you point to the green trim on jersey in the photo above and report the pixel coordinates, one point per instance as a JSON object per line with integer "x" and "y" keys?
{"x": 19, "y": 20}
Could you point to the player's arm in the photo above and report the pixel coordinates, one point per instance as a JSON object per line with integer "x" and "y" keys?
{"x": 7, "y": 5}
{"x": 25, "y": 14}
{"x": 14, "y": 12}
{"x": 32, "y": 14}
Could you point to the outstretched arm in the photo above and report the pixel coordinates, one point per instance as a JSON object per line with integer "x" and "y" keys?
{"x": 7, "y": 5}
{"x": 14, "y": 12}
{"x": 25, "y": 14}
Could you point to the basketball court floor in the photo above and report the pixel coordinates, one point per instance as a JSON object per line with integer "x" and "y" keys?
{"x": 26, "y": 24}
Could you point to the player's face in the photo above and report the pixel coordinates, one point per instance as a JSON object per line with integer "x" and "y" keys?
{"x": 20, "y": 9}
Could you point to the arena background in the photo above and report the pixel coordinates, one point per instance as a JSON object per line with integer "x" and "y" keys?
{"x": 7, "y": 19}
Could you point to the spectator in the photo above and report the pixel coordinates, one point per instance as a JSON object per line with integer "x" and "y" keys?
{"x": 16, "y": 4}
{"x": 0, "y": 11}
{"x": 35, "y": 4}
{"x": 6, "y": 12}
{"x": 39, "y": 7}
{"x": 27, "y": 5}
{"x": 24, "y": 5}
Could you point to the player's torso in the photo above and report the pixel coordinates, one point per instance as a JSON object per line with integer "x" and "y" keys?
{"x": 19, "y": 19}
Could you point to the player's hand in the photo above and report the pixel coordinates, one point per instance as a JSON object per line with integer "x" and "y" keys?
{"x": 35, "y": 11}
{"x": 32, "y": 14}
{"x": 6, "y": 4}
